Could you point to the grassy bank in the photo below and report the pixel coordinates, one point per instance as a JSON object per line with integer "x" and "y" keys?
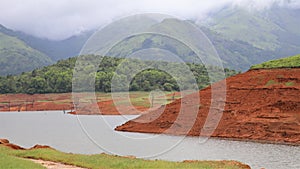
{"x": 288, "y": 62}
{"x": 10, "y": 158}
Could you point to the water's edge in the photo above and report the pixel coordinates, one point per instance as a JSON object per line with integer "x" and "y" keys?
{"x": 66, "y": 133}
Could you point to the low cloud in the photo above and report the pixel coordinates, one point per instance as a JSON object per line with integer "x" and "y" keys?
{"x": 61, "y": 19}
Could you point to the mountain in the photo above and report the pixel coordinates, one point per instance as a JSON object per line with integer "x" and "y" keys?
{"x": 21, "y": 52}
{"x": 234, "y": 53}
{"x": 269, "y": 34}
{"x": 246, "y": 26}
{"x": 55, "y": 49}
{"x": 58, "y": 50}
{"x": 241, "y": 37}
{"x": 146, "y": 41}
{"x": 16, "y": 56}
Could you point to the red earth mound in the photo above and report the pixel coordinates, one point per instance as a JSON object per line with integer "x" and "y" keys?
{"x": 6, "y": 143}
{"x": 261, "y": 105}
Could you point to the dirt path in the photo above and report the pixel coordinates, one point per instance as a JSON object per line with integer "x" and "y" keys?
{"x": 55, "y": 165}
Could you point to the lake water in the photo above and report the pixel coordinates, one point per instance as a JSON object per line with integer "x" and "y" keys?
{"x": 95, "y": 134}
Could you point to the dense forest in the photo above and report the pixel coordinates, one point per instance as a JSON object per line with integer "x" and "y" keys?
{"x": 57, "y": 78}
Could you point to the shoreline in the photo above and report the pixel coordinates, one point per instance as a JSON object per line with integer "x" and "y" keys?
{"x": 226, "y": 138}
{"x": 45, "y": 156}
{"x": 63, "y": 101}
{"x": 68, "y": 112}
{"x": 174, "y": 134}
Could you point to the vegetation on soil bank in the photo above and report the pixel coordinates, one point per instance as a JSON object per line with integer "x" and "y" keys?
{"x": 16, "y": 159}
{"x": 288, "y": 62}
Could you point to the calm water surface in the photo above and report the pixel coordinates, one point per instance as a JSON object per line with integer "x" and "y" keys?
{"x": 95, "y": 134}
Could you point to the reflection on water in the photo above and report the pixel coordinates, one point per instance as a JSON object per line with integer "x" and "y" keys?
{"x": 64, "y": 132}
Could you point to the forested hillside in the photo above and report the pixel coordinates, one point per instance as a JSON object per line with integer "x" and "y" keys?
{"x": 57, "y": 78}
{"x": 16, "y": 56}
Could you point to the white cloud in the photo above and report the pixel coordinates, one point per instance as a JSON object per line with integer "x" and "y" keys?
{"x": 63, "y": 18}
{"x": 264, "y": 4}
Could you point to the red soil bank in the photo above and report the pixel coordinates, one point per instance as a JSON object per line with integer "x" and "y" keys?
{"x": 6, "y": 143}
{"x": 261, "y": 105}
{"x": 108, "y": 108}
{"x": 36, "y": 102}
{"x": 61, "y": 101}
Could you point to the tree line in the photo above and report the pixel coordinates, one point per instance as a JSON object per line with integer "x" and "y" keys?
{"x": 123, "y": 74}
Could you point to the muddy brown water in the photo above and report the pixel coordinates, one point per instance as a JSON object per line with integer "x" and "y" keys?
{"x": 95, "y": 134}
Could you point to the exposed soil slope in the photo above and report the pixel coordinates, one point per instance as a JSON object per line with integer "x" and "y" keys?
{"x": 261, "y": 105}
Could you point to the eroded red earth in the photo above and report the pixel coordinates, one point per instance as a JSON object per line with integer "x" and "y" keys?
{"x": 261, "y": 105}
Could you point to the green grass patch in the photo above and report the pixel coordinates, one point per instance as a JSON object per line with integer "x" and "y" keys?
{"x": 13, "y": 159}
{"x": 289, "y": 84}
{"x": 288, "y": 62}
{"x": 7, "y": 160}
{"x": 143, "y": 99}
{"x": 271, "y": 82}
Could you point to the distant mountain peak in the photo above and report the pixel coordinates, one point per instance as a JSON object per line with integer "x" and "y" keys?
{"x": 4, "y": 29}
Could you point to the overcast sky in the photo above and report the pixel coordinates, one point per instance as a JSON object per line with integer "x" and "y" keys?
{"x": 59, "y": 19}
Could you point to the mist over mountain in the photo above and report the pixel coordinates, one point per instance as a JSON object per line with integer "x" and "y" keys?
{"x": 62, "y": 19}
{"x": 254, "y": 37}
{"x": 20, "y": 52}
{"x": 242, "y": 36}
{"x": 55, "y": 49}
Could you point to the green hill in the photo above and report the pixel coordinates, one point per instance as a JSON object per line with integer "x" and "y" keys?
{"x": 288, "y": 62}
{"x": 141, "y": 42}
{"x": 235, "y": 54}
{"x": 242, "y": 38}
{"x": 246, "y": 26}
{"x": 16, "y": 56}
{"x": 249, "y": 37}
{"x": 55, "y": 49}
